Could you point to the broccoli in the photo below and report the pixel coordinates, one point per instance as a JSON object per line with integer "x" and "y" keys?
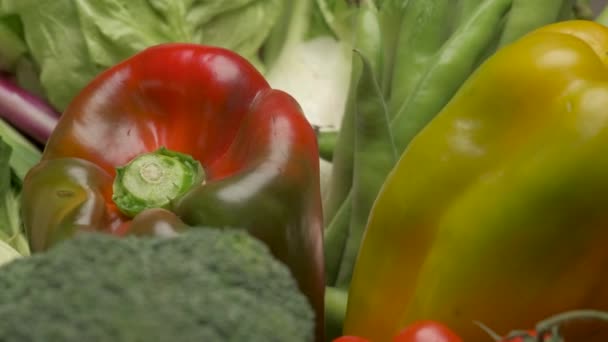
{"x": 203, "y": 285}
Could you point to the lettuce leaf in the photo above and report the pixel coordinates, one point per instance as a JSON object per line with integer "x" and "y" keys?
{"x": 11, "y": 231}
{"x": 71, "y": 41}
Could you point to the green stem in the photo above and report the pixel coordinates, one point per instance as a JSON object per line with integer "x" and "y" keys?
{"x": 335, "y": 311}
{"x": 327, "y": 142}
{"x": 559, "y": 319}
{"x": 335, "y": 239}
{"x": 488, "y": 331}
{"x": 154, "y": 180}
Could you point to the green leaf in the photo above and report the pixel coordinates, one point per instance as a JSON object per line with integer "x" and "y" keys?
{"x": 290, "y": 29}
{"x": 12, "y": 46}
{"x": 339, "y": 15}
{"x": 5, "y": 169}
{"x": 602, "y": 17}
{"x": 56, "y": 43}
{"x": 242, "y": 29}
{"x": 7, "y": 253}
{"x": 24, "y": 154}
{"x": 114, "y": 30}
{"x": 319, "y": 25}
{"x": 10, "y": 222}
{"x": 71, "y": 41}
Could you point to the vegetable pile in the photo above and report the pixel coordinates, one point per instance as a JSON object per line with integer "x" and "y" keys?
{"x": 377, "y": 170}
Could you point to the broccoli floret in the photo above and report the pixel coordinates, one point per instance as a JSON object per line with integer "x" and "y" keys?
{"x": 204, "y": 285}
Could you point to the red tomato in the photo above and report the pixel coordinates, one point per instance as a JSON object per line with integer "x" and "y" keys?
{"x": 350, "y": 339}
{"x": 426, "y": 331}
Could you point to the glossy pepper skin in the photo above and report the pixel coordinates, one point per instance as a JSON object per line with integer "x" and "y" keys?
{"x": 498, "y": 210}
{"x": 258, "y": 151}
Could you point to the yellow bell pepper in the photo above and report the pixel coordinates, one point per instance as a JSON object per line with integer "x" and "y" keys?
{"x": 498, "y": 210}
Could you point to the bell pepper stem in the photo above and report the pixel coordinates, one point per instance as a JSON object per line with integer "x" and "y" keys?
{"x": 154, "y": 180}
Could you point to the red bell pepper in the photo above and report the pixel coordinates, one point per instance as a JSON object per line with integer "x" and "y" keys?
{"x": 194, "y": 130}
